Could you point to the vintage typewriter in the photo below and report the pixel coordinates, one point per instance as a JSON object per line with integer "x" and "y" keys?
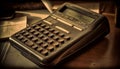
{"x": 65, "y": 31}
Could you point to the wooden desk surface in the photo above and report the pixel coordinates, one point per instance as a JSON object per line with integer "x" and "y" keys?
{"x": 102, "y": 54}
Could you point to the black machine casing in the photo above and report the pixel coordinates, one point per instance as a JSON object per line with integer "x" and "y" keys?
{"x": 80, "y": 26}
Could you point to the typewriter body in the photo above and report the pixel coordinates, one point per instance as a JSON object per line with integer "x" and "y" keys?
{"x": 64, "y": 32}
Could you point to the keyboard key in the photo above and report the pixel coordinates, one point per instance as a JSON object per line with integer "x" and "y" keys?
{"x": 35, "y": 47}
{"x": 30, "y": 36}
{"x": 20, "y": 37}
{"x": 56, "y": 32}
{"x": 56, "y": 38}
{"x": 50, "y": 48}
{"x": 29, "y": 43}
{"x": 45, "y": 45}
{"x": 39, "y": 42}
{"x": 61, "y": 34}
{"x": 44, "y": 52}
{"x": 67, "y": 37}
{"x": 39, "y": 49}
{"x": 61, "y": 41}
{"x": 51, "y": 35}
{"x": 50, "y": 41}
{"x": 56, "y": 44}
{"x": 46, "y": 32}
{"x": 40, "y": 36}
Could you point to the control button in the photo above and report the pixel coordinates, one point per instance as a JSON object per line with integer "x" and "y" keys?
{"x": 26, "y": 34}
{"x": 56, "y": 44}
{"x": 45, "y": 45}
{"x": 24, "y": 40}
{"x": 36, "y": 33}
{"x": 44, "y": 52}
{"x": 16, "y": 35}
{"x": 30, "y": 36}
{"x": 29, "y": 43}
{"x": 23, "y": 31}
{"x": 77, "y": 28}
{"x": 61, "y": 41}
{"x": 40, "y": 36}
{"x": 67, "y": 37}
{"x": 32, "y": 31}
{"x": 37, "y": 27}
{"x": 39, "y": 23}
{"x": 62, "y": 29}
{"x": 20, "y": 37}
{"x": 62, "y": 21}
{"x": 46, "y": 32}
{"x": 50, "y": 48}
{"x": 34, "y": 46}
{"x": 51, "y": 30}
{"x": 28, "y": 28}
{"x": 41, "y": 30}
{"x": 39, "y": 42}
{"x": 61, "y": 34}
{"x": 50, "y": 41}
{"x": 42, "y": 25}
{"x": 56, "y": 38}
{"x": 45, "y": 38}
{"x": 51, "y": 35}
{"x": 56, "y": 32}
{"x": 47, "y": 22}
{"x": 47, "y": 27}
{"x": 34, "y": 39}
{"x": 39, "y": 49}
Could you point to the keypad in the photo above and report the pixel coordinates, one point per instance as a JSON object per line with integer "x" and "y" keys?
{"x": 42, "y": 38}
